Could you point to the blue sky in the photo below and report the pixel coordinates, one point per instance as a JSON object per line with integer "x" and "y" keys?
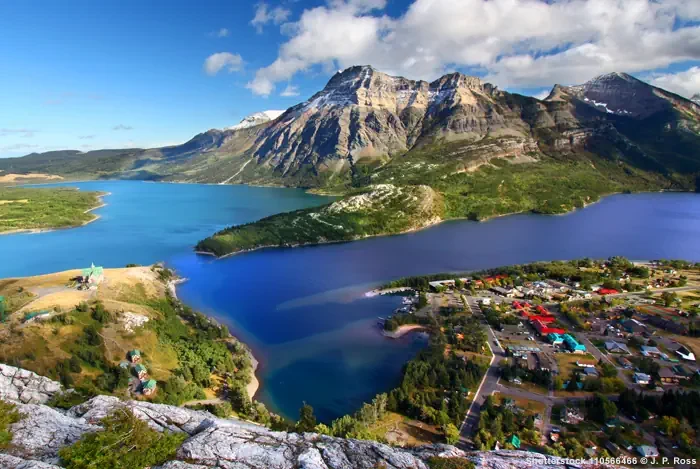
{"x": 86, "y": 74}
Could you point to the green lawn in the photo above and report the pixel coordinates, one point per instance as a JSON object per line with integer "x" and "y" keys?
{"x": 24, "y": 208}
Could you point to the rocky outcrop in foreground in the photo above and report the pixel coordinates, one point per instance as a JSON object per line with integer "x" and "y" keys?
{"x": 18, "y": 385}
{"x": 223, "y": 444}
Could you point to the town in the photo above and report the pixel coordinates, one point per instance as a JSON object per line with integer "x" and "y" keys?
{"x": 585, "y": 359}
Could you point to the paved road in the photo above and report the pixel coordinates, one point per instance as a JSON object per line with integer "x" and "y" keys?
{"x": 489, "y": 383}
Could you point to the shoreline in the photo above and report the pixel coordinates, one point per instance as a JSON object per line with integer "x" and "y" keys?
{"x": 253, "y": 385}
{"x": 49, "y": 230}
{"x": 403, "y": 330}
{"x": 430, "y": 224}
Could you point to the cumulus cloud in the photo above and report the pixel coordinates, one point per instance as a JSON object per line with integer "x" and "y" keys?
{"x": 523, "y": 43}
{"x": 686, "y": 83}
{"x": 122, "y": 127}
{"x": 223, "y": 60}
{"x": 265, "y": 15}
{"x": 290, "y": 90}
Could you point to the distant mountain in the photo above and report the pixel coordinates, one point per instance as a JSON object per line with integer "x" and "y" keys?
{"x": 696, "y": 98}
{"x": 365, "y": 126}
{"x": 256, "y": 119}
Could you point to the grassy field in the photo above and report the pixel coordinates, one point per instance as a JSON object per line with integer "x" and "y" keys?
{"x": 403, "y": 431}
{"x": 535, "y": 407}
{"x": 567, "y": 362}
{"x": 24, "y": 208}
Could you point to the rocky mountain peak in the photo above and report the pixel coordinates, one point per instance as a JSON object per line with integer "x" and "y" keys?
{"x": 256, "y": 119}
{"x": 696, "y": 98}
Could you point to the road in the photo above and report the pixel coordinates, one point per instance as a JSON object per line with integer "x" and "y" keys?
{"x": 489, "y": 383}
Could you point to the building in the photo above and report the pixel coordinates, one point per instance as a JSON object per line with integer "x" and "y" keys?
{"x": 149, "y": 387}
{"x": 667, "y": 324}
{"x": 506, "y": 292}
{"x": 648, "y": 351}
{"x": 544, "y": 330}
{"x": 673, "y": 375}
{"x": 515, "y": 441}
{"x": 141, "y": 371}
{"x": 642, "y": 378}
{"x": 135, "y": 356}
{"x": 573, "y": 345}
{"x": 613, "y": 346}
{"x": 93, "y": 275}
{"x": 572, "y": 416}
{"x": 685, "y": 353}
{"x": 633, "y": 326}
{"x": 555, "y": 339}
{"x": 607, "y": 291}
{"x": 648, "y": 451}
{"x": 590, "y": 372}
{"x": 625, "y": 363}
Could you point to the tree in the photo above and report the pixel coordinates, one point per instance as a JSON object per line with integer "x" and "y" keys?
{"x": 669, "y": 425}
{"x": 451, "y": 433}
{"x": 669, "y": 299}
{"x": 307, "y": 419}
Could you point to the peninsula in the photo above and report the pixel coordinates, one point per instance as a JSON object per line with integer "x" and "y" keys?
{"x": 32, "y": 209}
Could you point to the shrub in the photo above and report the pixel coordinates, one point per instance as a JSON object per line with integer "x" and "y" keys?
{"x": 126, "y": 442}
{"x": 8, "y": 416}
{"x": 450, "y": 463}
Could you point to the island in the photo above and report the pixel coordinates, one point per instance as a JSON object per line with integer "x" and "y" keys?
{"x": 32, "y": 209}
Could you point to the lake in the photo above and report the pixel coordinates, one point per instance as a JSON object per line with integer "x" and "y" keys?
{"x": 303, "y": 310}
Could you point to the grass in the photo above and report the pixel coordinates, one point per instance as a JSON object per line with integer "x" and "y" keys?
{"x": 567, "y": 362}
{"x": 42, "y": 208}
{"x": 525, "y": 404}
{"x": 404, "y": 431}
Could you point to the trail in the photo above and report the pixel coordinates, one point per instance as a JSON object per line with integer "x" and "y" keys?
{"x": 237, "y": 173}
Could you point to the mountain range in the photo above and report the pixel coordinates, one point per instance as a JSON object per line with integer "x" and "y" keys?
{"x": 364, "y": 119}
{"x": 470, "y": 149}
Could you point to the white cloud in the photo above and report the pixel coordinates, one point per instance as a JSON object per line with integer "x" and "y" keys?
{"x": 686, "y": 83}
{"x": 122, "y": 127}
{"x": 290, "y": 91}
{"x": 18, "y": 147}
{"x": 514, "y": 43}
{"x": 26, "y": 133}
{"x": 86, "y": 137}
{"x": 223, "y": 32}
{"x": 223, "y": 60}
{"x": 265, "y": 15}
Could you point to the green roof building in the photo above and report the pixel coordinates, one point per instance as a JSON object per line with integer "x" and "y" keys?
{"x": 140, "y": 370}
{"x": 515, "y": 441}
{"x": 93, "y": 274}
{"x": 149, "y": 387}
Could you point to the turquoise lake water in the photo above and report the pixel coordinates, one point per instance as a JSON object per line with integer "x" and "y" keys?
{"x": 303, "y": 310}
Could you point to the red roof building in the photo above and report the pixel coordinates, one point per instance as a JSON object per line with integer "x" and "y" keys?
{"x": 608, "y": 291}
{"x": 543, "y": 319}
{"x": 544, "y": 330}
{"x": 543, "y": 311}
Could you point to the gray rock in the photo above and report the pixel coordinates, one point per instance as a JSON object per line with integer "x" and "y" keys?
{"x": 43, "y": 431}
{"x": 13, "y": 462}
{"x": 23, "y": 386}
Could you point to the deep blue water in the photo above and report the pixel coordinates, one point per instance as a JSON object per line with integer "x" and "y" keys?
{"x": 303, "y": 310}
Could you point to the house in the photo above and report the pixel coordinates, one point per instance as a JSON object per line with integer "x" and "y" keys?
{"x": 484, "y": 301}
{"x": 607, "y": 291}
{"x": 584, "y": 364}
{"x": 149, "y": 387}
{"x": 507, "y": 292}
{"x": 141, "y": 371}
{"x": 672, "y": 375}
{"x": 573, "y": 345}
{"x": 685, "y": 353}
{"x": 648, "y": 451}
{"x": 613, "y": 346}
{"x": 590, "y": 372}
{"x": 93, "y": 275}
{"x": 515, "y": 441}
{"x": 572, "y": 416}
{"x": 612, "y": 448}
{"x": 649, "y": 351}
{"x": 642, "y": 378}
{"x": 625, "y": 363}
{"x": 135, "y": 356}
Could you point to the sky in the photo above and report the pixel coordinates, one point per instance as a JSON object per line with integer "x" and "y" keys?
{"x": 81, "y": 74}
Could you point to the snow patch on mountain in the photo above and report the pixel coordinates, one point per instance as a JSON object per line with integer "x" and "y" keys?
{"x": 256, "y": 119}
